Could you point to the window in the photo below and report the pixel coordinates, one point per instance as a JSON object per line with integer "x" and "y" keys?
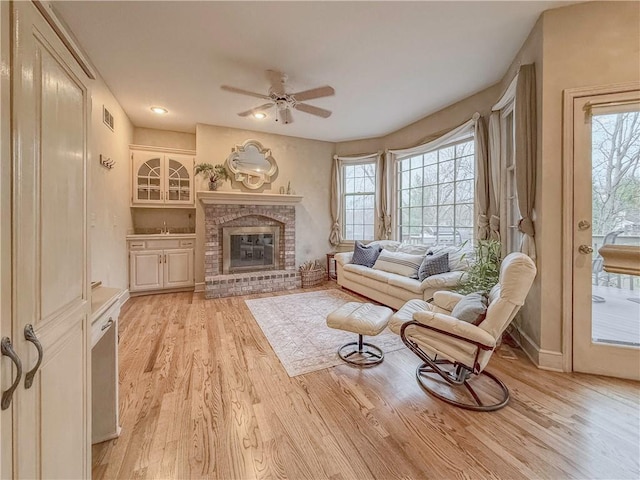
{"x": 512, "y": 211}
{"x": 358, "y": 202}
{"x": 435, "y": 202}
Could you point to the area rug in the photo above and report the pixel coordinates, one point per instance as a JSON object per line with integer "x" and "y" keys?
{"x": 295, "y": 326}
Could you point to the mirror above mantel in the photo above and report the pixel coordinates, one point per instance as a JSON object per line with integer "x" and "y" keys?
{"x": 252, "y": 164}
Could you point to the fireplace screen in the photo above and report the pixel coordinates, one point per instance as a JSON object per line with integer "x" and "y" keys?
{"x": 246, "y": 249}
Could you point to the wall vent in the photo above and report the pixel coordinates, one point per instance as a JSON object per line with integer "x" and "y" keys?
{"x": 107, "y": 118}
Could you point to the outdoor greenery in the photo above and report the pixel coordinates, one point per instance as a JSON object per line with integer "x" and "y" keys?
{"x": 616, "y": 173}
{"x": 485, "y": 268}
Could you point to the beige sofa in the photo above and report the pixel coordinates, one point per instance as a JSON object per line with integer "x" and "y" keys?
{"x": 394, "y": 290}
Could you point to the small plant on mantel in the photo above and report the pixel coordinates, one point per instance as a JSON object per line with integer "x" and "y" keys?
{"x": 217, "y": 174}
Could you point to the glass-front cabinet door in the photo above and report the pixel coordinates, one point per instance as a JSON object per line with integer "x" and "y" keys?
{"x": 162, "y": 179}
{"x": 148, "y": 181}
{"x": 179, "y": 179}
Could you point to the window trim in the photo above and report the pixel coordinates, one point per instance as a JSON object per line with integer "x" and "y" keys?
{"x": 344, "y": 162}
{"x": 462, "y": 137}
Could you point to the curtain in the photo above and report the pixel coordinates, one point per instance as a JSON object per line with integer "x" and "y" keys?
{"x": 494, "y": 146}
{"x": 482, "y": 180}
{"x": 525, "y": 154}
{"x": 335, "y": 237}
{"x": 383, "y": 209}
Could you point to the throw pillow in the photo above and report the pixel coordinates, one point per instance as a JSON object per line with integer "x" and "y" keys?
{"x": 433, "y": 265}
{"x": 471, "y": 308}
{"x": 397, "y": 262}
{"x": 365, "y": 254}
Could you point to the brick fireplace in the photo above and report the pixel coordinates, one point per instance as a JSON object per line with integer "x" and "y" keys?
{"x": 221, "y": 217}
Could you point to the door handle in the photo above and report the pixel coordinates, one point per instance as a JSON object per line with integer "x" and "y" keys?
{"x": 7, "y": 349}
{"x": 30, "y": 336}
{"x": 107, "y": 325}
{"x": 586, "y": 249}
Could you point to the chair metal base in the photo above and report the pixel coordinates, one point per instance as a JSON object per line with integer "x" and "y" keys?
{"x": 368, "y": 357}
{"x": 457, "y": 377}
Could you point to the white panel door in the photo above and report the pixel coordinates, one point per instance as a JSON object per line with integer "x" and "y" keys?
{"x": 50, "y": 268}
{"x": 178, "y": 268}
{"x": 146, "y": 270}
{"x": 606, "y": 172}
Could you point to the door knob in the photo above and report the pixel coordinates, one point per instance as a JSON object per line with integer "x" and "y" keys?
{"x": 586, "y": 249}
{"x": 583, "y": 225}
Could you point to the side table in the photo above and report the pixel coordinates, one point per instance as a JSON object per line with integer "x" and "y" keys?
{"x": 332, "y": 274}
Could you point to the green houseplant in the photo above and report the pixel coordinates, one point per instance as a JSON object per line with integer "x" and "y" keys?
{"x": 216, "y": 173}
{"x": 485, "y": 269}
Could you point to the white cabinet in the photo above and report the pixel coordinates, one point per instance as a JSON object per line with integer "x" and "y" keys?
{"x": 161, "y": 178}
{"x": 161, "y": 264}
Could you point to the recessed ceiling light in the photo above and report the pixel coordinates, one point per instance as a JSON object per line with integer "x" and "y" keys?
{"x": 159, "y": 110}
{"x": 259, "y": 115}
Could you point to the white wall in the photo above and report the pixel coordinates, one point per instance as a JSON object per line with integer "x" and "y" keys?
{"x": 109, "y": 190}
{"x": 305, "y": 163}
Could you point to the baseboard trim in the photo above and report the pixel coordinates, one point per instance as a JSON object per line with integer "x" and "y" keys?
{"x": 199, "y": 287}
{"x": 543, "y": 359}
{"x": 124, "y": 297}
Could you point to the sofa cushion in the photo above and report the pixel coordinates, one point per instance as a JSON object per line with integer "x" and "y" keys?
{"x": 413, "y": 249}
{"x": 365, "y": 255}
{"x": 460, "y": 258}
{"x": 433, "y": 265}
{"x": 409, "y": 284}
{"x": 390, "y": 245}
{"x": 472, "y": 308}
{"x": 397, "y": 262}
{"x": 367, "y": 272}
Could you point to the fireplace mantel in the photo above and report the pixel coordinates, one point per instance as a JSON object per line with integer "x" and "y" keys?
{"x": 246, "y": 198}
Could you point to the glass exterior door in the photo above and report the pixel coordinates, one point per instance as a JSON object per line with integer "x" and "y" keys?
{"x": 606, "y": 306}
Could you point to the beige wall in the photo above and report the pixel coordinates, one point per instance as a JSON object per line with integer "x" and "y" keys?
{"x": 305, "y": 163}
{"x": 426, "y": 128}
{"x": 109, "y": 212}
{"x": 164, "y": 138}
{"x": 589, "y": 44}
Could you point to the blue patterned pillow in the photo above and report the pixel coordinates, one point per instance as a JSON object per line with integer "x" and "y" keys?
{"x": 365, "y": 255}
{"x": 433, "y": 265}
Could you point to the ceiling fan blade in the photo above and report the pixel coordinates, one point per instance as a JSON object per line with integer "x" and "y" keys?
{"x": 255, "y": 110}
{"x": 285, "y": 116}
{"x": 326, "y": 91}
{"x": 276, "y": 79}
{"x": 244, "y": 92}
{"x": 320, "y": 112}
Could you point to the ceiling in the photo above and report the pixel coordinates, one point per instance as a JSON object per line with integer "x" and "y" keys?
{"x": 391, "y": 63}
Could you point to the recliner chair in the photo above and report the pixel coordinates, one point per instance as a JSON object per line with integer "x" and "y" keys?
{"x": 456, "y": 351}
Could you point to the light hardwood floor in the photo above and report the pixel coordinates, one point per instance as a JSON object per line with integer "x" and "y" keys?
{"x": 203, "y": 396}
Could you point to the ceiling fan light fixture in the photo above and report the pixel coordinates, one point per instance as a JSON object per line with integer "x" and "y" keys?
{"x": 159, "y": 110}
{"x": 260, "y": 115}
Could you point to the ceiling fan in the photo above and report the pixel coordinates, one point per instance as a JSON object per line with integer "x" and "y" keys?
{"x": 284, "y": 102}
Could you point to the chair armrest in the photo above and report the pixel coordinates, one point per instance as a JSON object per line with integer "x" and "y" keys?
{"x": 343, "y": 257}
{"x": 448, "y": 325}
{"x": 449, "y": 279}
{"x": 446, "y": 299}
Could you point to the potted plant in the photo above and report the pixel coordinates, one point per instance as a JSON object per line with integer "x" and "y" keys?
{"x": 484, "y": 271}
{"x": 217, "y": 174}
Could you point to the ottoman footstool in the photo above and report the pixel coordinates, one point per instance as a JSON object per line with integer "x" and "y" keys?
{"x": 363, "y": 319}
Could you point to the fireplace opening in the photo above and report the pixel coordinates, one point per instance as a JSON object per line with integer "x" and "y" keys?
{"x": 247, "y": 249}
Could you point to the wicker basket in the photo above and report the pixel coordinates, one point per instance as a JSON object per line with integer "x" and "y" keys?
{"x": 311, "y": 278}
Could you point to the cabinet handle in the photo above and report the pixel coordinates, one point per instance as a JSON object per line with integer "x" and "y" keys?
{"x": 161, "y": 194}
{"x": 107, "y": 325}
{"x": 165, "y": 258}
{"x": 159, "y": 258}
{"x": 30, "y": 336}
{"x": 7, "y": 349}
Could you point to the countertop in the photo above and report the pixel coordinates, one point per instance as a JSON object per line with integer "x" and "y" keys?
{"x": 101, "y": 300}
{"x": 161, "y": 236}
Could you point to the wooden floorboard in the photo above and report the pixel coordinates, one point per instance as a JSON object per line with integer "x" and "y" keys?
{"x": 203, "y": 395}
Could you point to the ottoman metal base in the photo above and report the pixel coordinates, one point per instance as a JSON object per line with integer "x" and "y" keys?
{"x": 363, "y": 358}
